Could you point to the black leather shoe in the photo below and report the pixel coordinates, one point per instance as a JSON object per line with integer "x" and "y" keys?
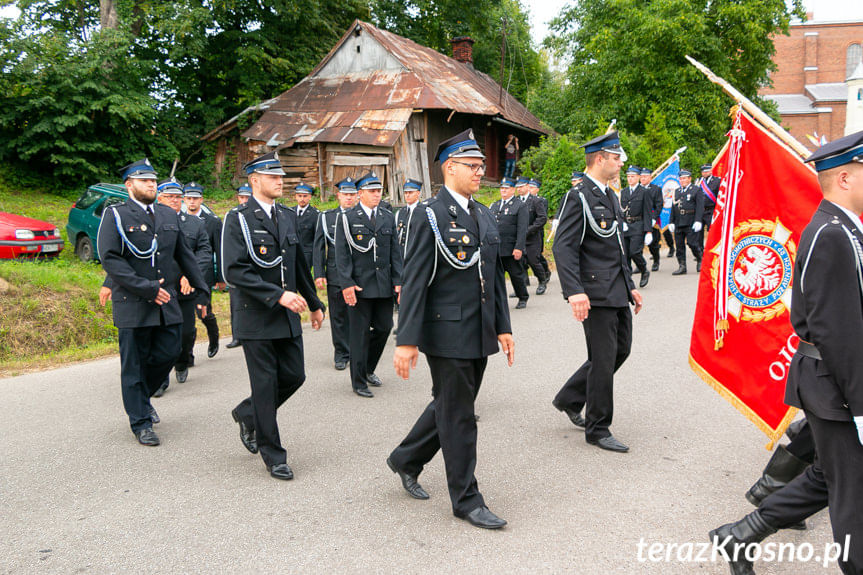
{"x": 213, "y": 349}
{"x": 522, "y": 303}
{"x": 182, "y": 375}
{"x": 645, "y": 277}
{"x": 670, "y": 253}
{"x": 655, "y": 266}
{"x": 341, "y": 365}
{"x": 483, "y": 518}
{"x": 281, "y": 471}
{"x": 147, "y": 437}
{"x": 247, "y": 434}
{"x": 680, "y": 271}
{"x": 162, "y": 388}
{"x": 374, "y": 380}
{"x": 154, "y": 417}
{"x": 698, "y": 266}
{"x": 364, "y": 392}
{"x": 574, "y": 416}
{"x": 191, "y": 361}
{"x": 234, "y": 343}
{"x": 409, "y": 482}
{"x": 541, "y": 288}
{"x": 609, "y": 444}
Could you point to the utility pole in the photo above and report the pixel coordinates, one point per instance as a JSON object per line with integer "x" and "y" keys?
{"x": 502, "y": 57}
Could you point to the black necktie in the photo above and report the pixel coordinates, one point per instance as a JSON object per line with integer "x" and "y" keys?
{"x": 275, "y": 220}
{"x": 471, "y": 208}
{"x": 372, "y": 219}
{"x": 151, "y": 214}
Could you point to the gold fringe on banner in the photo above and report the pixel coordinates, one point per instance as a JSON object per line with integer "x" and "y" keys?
{"x": 773, "y": 434}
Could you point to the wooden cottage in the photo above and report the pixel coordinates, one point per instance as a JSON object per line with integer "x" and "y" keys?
{"x": 383, "y": 102}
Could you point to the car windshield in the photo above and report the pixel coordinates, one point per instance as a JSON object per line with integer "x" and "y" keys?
{"x": 87, "y": 199}
{"x": 109, "y": 202}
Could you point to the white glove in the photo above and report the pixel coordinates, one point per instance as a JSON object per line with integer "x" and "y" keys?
{"x": 648, "y": 238}
{"x": 625, "y": 227}
{"x": 858, "y": 421}
{"x": 671, "y": 228}
{"x": 696, "y": 227}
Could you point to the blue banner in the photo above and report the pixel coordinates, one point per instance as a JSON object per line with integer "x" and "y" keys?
{"x": 668, "y": 181}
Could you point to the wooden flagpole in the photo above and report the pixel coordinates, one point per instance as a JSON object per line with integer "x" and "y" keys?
{"x": 753, "y": 110}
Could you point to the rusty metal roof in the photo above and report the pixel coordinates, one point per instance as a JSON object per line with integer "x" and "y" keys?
{"x": 373, "y": 106}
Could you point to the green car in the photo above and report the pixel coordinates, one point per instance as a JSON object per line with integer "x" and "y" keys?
{"x": 86, "y": 214}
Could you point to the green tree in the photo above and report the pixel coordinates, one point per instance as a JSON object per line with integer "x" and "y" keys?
{"x": 626, "y": 61}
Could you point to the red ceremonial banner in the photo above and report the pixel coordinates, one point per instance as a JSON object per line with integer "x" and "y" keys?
{"x": 742, "y": 341}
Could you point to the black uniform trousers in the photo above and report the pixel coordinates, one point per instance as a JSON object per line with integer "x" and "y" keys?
{"x": 654, "y": 245}
{"x": 635, "y": 251}
{"x": 517, "y": 275}
{"x": 276, "y": 371}
{"x": 841, "y": 457}
{"x": 683, "y": 236}
{"x": 448, "y": 424}
{"x": 370, "y": 322}
{"x": 147, "y": 355}
{"x": 801, "y": 498}
{"x": 210, "y": 322}
{"x": 339, "y": 323}
{"x": 188, "y": 335}
{"x": 532, "y": 253}
{"x": 608, "y": 331}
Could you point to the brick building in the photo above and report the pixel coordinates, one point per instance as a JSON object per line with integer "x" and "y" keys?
{"x": 810, "y": 85}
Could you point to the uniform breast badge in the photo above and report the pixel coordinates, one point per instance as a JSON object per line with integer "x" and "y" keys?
{"x": 602, "y": 224}
{"x": 461, "y": 255}
{"x": 263, "y": 250}
{"x": 143, "y": 227}
{"x": 359, "y": 236}
{"x": 452, "y": 211}
{"x": 465, "y": 239}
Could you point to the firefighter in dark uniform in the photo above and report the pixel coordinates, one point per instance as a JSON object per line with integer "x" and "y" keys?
{"x": 637, "y": 205}
{"x": 144, "y": 254}
{"x": 308, "y": 217}
{"x": 511, "y": 215}
{"x": 193, "y": 197}
{"x": 654, "y": 194}
{"x": 192, "y": 228}
{"x": 456, "y": 313}
{"x": 597, "y": 283}
{"x": 535, "y": 223}
{"x": 263, "y": 263}
{"x": 244, "y": 192}
{"x": 326, "y": 275}
{"x": 404, "y": 217}
{"x": 712, "y": 182}
{"x": 824, "y": 379}
{"x": 687, "y": 213}
{"x": 542, "y": 207}
{"x": 369, "y": 264}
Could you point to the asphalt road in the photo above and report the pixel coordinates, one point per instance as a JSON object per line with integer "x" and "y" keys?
{"x": 79, "y": 495}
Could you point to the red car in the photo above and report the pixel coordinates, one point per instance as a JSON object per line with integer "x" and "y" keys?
{"x": 28, "y": 238}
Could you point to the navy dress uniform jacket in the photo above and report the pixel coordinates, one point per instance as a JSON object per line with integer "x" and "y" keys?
{"x": 688, "y": 206}
{"x": 194, "y": 230}
{"x": 324, "y": 252}
{"x": 404, "y": 219}
{"x": 306, "y": 225}
{"x": 134, "y": 281}
{"x": 637, "y": 205}
{"x": 255, "y": 305}
{"x": 453, "y": 316}
{"x": 512, "y": 223}
{"x": 213, "y": 227}
{"x": 378, "y": 270}
{"x": 828, "y": 313}
{"x": 586, "y": 262}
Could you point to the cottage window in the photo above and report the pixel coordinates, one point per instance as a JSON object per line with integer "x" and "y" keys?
{"x": 853, "y": 56}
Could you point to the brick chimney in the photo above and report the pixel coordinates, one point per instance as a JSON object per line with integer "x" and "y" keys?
{"x": 462, "y": 49}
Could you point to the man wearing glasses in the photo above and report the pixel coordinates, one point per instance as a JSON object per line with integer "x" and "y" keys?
{"x": 456, "y": 313}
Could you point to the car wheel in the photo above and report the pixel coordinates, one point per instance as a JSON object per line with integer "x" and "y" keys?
{"x": 84, "y": 248}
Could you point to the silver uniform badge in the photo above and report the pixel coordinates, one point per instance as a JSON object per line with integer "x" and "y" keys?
{"x": 453, "y": 211}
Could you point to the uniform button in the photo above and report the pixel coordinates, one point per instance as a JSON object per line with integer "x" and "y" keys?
{"x": 438, "y": 316}
{"x": 158, "y": 253}
{"x": 283, "y": 251}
